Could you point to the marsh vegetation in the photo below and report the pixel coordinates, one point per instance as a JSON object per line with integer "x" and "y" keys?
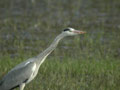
{"x": 85, "y": 62}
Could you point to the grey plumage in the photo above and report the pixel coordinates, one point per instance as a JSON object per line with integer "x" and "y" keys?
{"x": 20, "y": 75}
{"x": 27, "y": 70}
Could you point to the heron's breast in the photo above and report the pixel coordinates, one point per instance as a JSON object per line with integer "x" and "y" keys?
{"x": 34, "y": 73}
{"x": 34, "y": 68}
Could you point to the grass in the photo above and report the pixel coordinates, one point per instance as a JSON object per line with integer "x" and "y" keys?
{"x": 70, "y": 74}
{"x": 86, "y": 62}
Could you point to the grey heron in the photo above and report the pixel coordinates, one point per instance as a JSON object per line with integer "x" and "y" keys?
{"x": 26, "y": 71}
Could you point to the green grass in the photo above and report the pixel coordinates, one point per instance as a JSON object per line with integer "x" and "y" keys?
{"x": 85, "y": 62}
{"x": 70, "y": 74}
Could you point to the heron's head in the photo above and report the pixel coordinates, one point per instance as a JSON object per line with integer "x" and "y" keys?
{"x": 72, "y": 32}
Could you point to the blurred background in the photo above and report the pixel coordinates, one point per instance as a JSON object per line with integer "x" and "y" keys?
{"x": 27, "y": 27}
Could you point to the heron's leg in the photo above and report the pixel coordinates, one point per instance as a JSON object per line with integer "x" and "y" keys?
{"x": 22, "y": 86}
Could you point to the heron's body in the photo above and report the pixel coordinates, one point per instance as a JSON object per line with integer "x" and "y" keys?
{"x": 27, "y": 70}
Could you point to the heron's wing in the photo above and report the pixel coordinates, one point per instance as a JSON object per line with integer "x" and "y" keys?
{"x": 17, "y": 76}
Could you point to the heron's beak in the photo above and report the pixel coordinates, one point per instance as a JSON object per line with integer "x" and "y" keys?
{"x": 79, "y": 32}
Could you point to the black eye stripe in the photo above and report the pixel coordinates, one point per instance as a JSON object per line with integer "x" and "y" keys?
{"x": 66, "y": 30}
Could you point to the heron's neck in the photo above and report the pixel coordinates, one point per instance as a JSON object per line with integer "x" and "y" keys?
{"x": 42, "y": 56}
